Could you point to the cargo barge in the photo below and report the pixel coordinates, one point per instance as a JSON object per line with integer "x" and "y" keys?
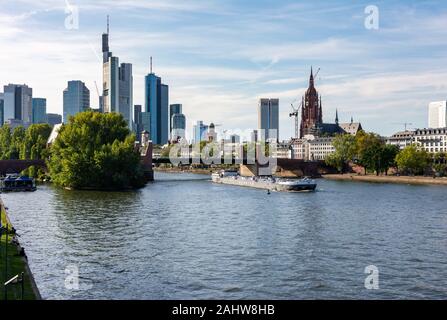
{"x": 268, "y": 183}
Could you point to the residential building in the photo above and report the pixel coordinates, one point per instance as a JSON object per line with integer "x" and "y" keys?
{"x": 437, "y": 114}
{"x": 76, "y": 99}
{"x": 268, "y": 119}
{"x": 432, "y": 140}
{"x": 312, "y": 148}
{"x": 157, "y": 104}
{"x": 283, "y": 150}
{"x": 54, "y": 119}
{"x": 39, "y": 110}
{"x": 401, "y": 139}
{"x": 18, "y": 102}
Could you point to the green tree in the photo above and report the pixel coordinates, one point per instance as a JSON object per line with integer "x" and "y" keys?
{"x": 96, "y": 151}
{"x": 345, "y": 149}
{"x": 413, "y": 160}
{"x": 34, "y": 144}
{"x": 389, "y": 153}
{"x": 439, "y": 163}
{"x": 17, "y": 138}
{"x": 368, "y": 147}
{"x": 5, "y": 142}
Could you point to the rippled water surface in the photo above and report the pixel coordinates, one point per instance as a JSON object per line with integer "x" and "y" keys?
{"x": 183, "y": 237}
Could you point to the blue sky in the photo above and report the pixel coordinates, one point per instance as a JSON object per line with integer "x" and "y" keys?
{"x": 220, "y": 57}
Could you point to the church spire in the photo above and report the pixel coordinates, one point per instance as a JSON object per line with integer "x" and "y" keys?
{"x": 336, "y": 116}
{"x": 311, "y": 80}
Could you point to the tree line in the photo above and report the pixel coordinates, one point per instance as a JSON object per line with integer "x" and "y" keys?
{"x": 92, "y": 151}
{"x": 371, "y": 152}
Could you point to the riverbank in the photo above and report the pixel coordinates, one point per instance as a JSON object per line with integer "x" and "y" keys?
{"x": 13, "y": 262}
{"x": 387, "y": 179}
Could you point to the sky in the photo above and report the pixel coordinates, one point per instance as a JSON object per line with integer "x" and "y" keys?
{"x": 220, "y": 56}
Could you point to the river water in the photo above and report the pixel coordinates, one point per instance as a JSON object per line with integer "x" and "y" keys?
{"x": 183, "y": 237}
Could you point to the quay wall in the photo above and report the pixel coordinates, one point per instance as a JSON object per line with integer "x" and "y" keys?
{"x": 29, "y": 274}
{"x": 388, "y": 179}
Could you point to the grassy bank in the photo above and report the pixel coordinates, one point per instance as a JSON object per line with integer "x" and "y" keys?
{"x": 388, "y": 179}
{"x": 12, "y": 264}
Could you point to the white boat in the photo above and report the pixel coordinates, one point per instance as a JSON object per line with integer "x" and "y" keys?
{"x": 269, "y": 183}
{"x": 305, "y": 184}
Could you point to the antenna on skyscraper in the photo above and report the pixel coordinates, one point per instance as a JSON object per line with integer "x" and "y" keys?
{"x": 108, "y": 24}
{"x": 151, "y": 64}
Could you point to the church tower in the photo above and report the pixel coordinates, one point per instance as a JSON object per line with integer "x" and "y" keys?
{"x": 312, "y": 110}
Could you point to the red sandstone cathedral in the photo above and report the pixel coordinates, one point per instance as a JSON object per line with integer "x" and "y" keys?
{"x": 312, "y": 116}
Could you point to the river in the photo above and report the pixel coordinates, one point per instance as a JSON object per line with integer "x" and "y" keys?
{"x": 183, "y": 237}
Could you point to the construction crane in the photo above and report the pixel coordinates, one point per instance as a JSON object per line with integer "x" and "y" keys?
{"x": 295, "y": 113}
{"x": 405, "y": 124}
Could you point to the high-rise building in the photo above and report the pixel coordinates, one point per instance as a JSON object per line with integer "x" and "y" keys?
{"x": 199, "y": 131}
{"x": 117, "y": 93}
{"x": 437, "y": 114}
{"x": 178, "y": 127}
{"x": 156, "y": 103}
{"x": 137, "y": 125}
{"x": 125, "y": 95}
{"x": 18, "y": 103}
{"x": 234, "y": 138}
{"x": 76, "y": 99}
{"x": 145, "y": 122}
{"x": 54, "y": 119}
{"x": 173, "y": 109}
{"x": 2, "y": 109}
{"x": 39, "y": 110}
{"x": 268, "y": 119}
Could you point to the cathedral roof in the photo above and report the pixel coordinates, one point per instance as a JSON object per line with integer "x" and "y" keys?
{"x": 352, "y": 127}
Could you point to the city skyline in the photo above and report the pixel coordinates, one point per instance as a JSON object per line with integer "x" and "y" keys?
{"x": 245, "y": 53}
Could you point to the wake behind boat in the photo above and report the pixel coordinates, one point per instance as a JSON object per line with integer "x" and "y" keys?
{"x": 269, "y": 183}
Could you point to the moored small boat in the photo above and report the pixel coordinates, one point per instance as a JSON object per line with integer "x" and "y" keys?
{"x": 15, "y": 183}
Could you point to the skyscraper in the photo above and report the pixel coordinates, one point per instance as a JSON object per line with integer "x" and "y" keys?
{"x": 76, "y": 99}
{"x": 173, "y": 109}
{"x": 125, "y": 95}
{"x": 2, "y": 109}
{"x": 178, "y": 127}
{"x": 117, "y": 93}
{"x": 39, "y": 110}
{"x": 137, "y": 125}
{"x": 156, "y": 103}
{"x": 437, "y": 114}
{"x": 145, "y": 122}
{"x": 18, "y": 103}
{"x": 53, "y": 119}
{"x": 268, "y": 119}
{"x": 199, "y": 131}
